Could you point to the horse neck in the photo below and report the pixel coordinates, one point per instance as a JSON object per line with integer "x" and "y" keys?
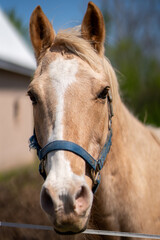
{"x": 117, "y": 168}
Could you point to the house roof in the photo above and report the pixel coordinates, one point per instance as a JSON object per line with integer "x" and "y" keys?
{"x": 15, "y": 54}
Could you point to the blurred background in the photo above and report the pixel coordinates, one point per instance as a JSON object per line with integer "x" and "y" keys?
{"x": 133, "y": 47}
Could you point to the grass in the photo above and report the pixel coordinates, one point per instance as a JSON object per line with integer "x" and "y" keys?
{"x": 20, "y": 202}
{"x": 7, "y": 175}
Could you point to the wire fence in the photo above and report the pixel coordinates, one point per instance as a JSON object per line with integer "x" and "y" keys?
{"x": 88, "y": 231}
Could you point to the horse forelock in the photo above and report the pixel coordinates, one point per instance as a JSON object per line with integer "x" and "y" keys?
{"x": 75, "y": 43}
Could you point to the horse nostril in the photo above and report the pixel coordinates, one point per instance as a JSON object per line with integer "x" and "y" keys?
{"x": 82, "y": 200}
{"x": 80, "y": 193}
{"x": 47, "y": 201}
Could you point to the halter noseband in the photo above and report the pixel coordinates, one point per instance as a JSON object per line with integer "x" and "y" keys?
{"x": 96, "y": 165}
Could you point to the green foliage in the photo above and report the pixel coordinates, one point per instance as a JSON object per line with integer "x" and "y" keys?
{"x": 139, "y": 77}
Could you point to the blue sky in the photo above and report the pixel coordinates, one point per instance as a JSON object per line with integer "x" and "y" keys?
{"x": 62, "y": 13}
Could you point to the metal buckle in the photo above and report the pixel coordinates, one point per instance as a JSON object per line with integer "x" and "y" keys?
{"x": 42, "y": 168}
{"x": 111, "y": 110}
{"x": 95, "y": 175}
{"x": 110, "y": 103}
{"x": 110, "y": 95}
{"x": 110, "y": 124}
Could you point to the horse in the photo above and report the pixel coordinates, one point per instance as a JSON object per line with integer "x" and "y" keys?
{"x": 78, "y": 114}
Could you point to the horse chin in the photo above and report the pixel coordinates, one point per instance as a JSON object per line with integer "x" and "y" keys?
{"x": 70, "y": 232}
{"x": 70, "y": 228}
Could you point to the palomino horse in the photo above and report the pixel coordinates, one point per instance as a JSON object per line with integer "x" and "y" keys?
{"x": 72, "y": 93}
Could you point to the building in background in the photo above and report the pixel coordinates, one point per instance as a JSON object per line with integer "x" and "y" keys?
{"x": 17, "y": 65}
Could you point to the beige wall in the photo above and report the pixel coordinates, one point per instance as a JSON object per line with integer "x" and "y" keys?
{"x": 16, "y": 123}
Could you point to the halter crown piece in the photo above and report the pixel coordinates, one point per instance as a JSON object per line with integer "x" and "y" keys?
{"x": 96, "y": 165}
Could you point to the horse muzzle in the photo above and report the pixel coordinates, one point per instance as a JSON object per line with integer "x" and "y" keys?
{"x": 68, "y": 209}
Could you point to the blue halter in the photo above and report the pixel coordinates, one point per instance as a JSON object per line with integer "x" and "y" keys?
{"x": 96, "y": 165}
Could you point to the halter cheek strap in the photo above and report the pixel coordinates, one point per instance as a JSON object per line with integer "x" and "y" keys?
{"x": 95, "y": 165}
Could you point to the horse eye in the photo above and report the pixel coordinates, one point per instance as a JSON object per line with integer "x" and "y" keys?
{"x": 103, "y": 93}
{"x": 32, "y": 97}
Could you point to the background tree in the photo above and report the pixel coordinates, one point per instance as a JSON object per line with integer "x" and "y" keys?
{"x": 133, "y": 47}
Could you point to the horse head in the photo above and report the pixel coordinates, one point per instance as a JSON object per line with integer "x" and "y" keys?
{"x": 69, "y": 93}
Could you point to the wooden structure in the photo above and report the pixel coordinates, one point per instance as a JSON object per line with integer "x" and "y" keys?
{"x": 16, "y": 69}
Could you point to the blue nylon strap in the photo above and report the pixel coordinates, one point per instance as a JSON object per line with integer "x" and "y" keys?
{"x": 78, "y": 150}
{"x": 33, "y": 143}
{"x": 105, "y": 151}
{"x": 73, "y": 147}
{"x": 67, "y": 146}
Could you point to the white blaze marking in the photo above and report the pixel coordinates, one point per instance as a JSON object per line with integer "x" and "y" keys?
{"x": 62, "y": 74}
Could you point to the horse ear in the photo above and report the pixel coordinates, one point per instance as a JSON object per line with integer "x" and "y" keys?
{"x": 41, "y": 32}
{"x": 93, "y": 28}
